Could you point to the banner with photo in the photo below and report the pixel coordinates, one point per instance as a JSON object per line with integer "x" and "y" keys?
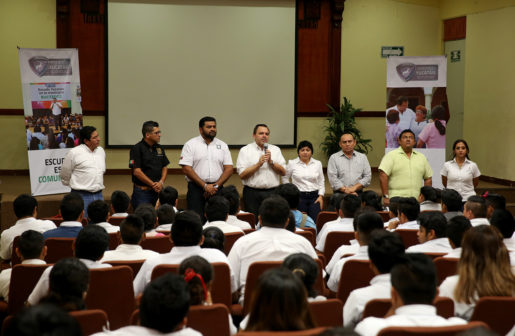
{"x": 53, "y": 114}
{"x": 416, "y": 99}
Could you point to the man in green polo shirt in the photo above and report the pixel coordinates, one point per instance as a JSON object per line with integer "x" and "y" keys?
{"x": 402, "y": 170}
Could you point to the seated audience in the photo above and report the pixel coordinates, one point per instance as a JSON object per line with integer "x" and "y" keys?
{"x": 165, "y": 217}
{"x": 291, "y": 193}
{"x": 504, "y": 222}
{"x": 393, "y": 211}
{"x": 213, "y": 238}
{"x": 431, "y": 234}
{"x": 217, "y": 210}
{"x": 451, "y": 203}
{"x": 231, "y": 194}
{"x": 429, "y": 199}
{"x": 475, "y": 210}
{"x": 493, "y": 202}
{"x": 149, "y": 215}
{"x": 98, "y": 213}
{"x": 408, "y": 211}
{"x": 72, "y": 211}
{"x": 372, "y": 199}
{"x": 456, "y": 229}
{"x": 413, "y": 292}
{"x": 170, "y": 196}
{"x": 306, "y": 269}
{"x": 119, "y": 204}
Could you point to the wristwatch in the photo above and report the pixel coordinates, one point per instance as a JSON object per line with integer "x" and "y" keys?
{"x": 386, "y": 196}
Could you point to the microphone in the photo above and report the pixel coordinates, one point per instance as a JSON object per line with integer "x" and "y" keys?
{"x": 265, "y": 146}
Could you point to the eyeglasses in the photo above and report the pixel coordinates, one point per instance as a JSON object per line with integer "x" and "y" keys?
{"x": 156, "y": 133}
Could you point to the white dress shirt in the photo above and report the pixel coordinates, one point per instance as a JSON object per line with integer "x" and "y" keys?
{"x": 176, "y": 255}
{"x": 437, "y": 245}
{"x": 461, "y": 309}
{"x": 265, "y": 177}
{"x": 307, "y": 177}
{"x": 405, "y": 117}
{"x": 335, "y": 276}
{"x": 21, "y": 225}
{"x": 411, "y": 225}
{"x": 128, "y": 252}
{"x": 226, "y": 228}
{"x": 140, "y": 330}
{"x": 234, "y": 221}
{"x": 509, "y": 243}
{"x": 461, "y": 178}
{"x": 120, "y": 215}
{"x": 479, "y": 221}
{"x": 84, "y": 169}
{"x": 339, "y": 225}
{"x": 416, "y": 315}
{"x": 5, "y": 277}
{"x": 454, "y": 254}
{"x": 346, "y": 172}
{"x": 430, "y": 206}
{"x": 340, "y": 252}
{"x": 164, "y": 227}
{"x": 110, "y": 228}
{"x": 207, "y": 160}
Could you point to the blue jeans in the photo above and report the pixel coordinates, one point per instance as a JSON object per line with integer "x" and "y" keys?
{"x": 140, "y": 196}
{"x": 89, "y": 197}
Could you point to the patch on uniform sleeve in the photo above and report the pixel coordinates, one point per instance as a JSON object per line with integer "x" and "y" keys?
{"x": 131, "y": 163}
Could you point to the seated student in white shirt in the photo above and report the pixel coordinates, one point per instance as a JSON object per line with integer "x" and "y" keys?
{"x": 131, "y": 230}
{"x": 187, "y": 237}
{"x": 385, "y": 250}
{"x": 348, "y": 205}
{"x": 26, "y": 209}
{"x": 231, "y": 194}
{"x": 119, "y": 204}
{"x": 217, "y": 210}
{"x": 149, "y": 215}
{"x": 451, "y": 203}
{"x": 306, "y": 268}
{"x": 90, "y": 245}
{"x": 504, "y": 222}
{"x": 168, "y": 195}
{"x": 475, "y": 210}
{"x": 393, "y": 211}
{"x": 429, "y": 199}
{"x": 165, "y": 217}
{"x": 456, "y": 228}
{"x": 413, "y": 292}
{"x": 431, "y": 234}
{"x": 493, "y": 202}
{"x": 98, "y": 213}
{"x": 31, "y": 250}
{"x": 163, "y": 310}
{"x": 213, "y": 238}
{"x": 409, "y": 209}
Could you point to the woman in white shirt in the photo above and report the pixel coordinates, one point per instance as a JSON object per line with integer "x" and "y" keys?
{"x": 306, "y": 173}
{"x": 460, "y": 173}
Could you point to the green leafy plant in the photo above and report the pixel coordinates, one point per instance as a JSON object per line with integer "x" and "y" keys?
{"x": 341, "y": 121}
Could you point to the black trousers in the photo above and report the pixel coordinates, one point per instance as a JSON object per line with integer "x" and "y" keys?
{"x": 196, "y": 200}
{"x": 253, "y": 197}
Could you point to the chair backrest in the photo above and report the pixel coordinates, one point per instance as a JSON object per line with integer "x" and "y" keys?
{"x": 161, "y": 244}
{"x": 385, "y": 215}
{"x": 324, "y": 217}
{"x": 355, "y": 274}
{"x": 409, "y": 237}
{"x": 116, "y": 220}
{"x": 91, "y": 320}
{"x": 114, "y": 240}
{"x": 58, "y": 248}
{"x": 445, "y": 267}
{"x": 209, "y": 320}
{"x": 379, "y": 307}
{"x": 163, "y": 269}
{"x": 15, "y": 260}
{"x": 308, "y": 235}
{"x": 111, "y": 290}
{"x": 135, "y": 265}
{"x": 56, "y": 219}
{"x": 429, "y": 331}
{"x": 255, "y": 270}
{"x": 308, "y": 332}
{"x": 247, "y": 217}
{"x": 247, "y": 231}
{"x": 434, "y": 255}
{"x": 334, "y": 240}
{"x": 230, "y": 239}
{"x": 498, "y": 312}
{"x": 23, "y": 280}
{"x": 328, "y": 313}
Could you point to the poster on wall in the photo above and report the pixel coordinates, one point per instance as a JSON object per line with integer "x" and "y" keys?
{"x": 53, "y": 114}
{"x": 416, "y": 99}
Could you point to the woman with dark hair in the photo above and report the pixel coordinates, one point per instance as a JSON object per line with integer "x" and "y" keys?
{"x": 213, "y": 238}
{"x": 433, "y": 134}
{"x": 306, "y": 173}
{"x": 460, "y": 173}
{"x": 372, "y": 199}
{"x": 306, "y": 269}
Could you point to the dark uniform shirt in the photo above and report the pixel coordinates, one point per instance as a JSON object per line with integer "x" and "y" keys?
{"x": 150, "y": 159}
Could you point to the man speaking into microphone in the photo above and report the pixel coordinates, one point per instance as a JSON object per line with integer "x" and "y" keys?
{"x": 260, "y": 166}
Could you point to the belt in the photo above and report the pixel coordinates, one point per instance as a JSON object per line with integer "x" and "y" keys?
{"x": 142, "y": 187}
{"x": 258, "y": 189}
{"x": 309, "y": 193}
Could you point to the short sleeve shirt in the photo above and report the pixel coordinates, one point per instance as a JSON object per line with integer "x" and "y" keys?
{"x": 150, "y": 159}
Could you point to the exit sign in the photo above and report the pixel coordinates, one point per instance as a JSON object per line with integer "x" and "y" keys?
{"x": 387, "y": 51}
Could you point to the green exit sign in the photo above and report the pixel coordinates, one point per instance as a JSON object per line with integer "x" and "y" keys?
{"x": 387, "y": 51}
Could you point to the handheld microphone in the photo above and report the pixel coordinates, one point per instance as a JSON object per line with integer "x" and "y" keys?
{"x": 265, "y": 146}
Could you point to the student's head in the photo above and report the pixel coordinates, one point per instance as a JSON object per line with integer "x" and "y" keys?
{"x": 120, "y": 201}
{"x": 372, "y": 199}
{"x": 279, "y": 303}
{"x": 25, "y": 206}
{"x": 98, "y": 211}
{"x": 456, "y": 228}
{"x": 198, "y": 274}
{"x": 336, "y": 201}
{"x": 91, "y": 243}
{"x": 393, "y": 116}
{"x": 385, "y": 250}
{"x": 165, "y": 214}
{"x": 428, "y": 193}
{"x": 165, "y": 303}
{"x": 290, "y": 193}
{"x": 31, "y": 245}
{"x": 503, "y": 220}
{"x": 432, "y": 225}
{"x": 131, "y": 229}
{"x": 348, "y": 205}
{"x": 217, "y": 209}
{"x": 475, "y": 207}
{"x": 451, "y": 200}
{"x": 394, "y": 206}
{"x": 187, "y": 229}
{"x": 68, "y": 284}
{"x": 274, "y": 212}
{"x": 168, "y": 195}
{"x": 414, "y": 280}
{"x": 292, "y": 226}
{"x": 71, "y": 207}
{"x": 305, "y": 268}
{"x": 213, "y": 238}
{"x": 231, "y": 194}
{"x": 409, "y": 209}
{"x": 493, "y": 202}
{"x": 365, "y": 224}
{"x": 148, "y": 215}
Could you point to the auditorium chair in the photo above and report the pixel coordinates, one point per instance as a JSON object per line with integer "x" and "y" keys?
{"x": 114, "y": 240}
{"x": 162, "y": 244}
{"x": 91, "y": 321}
{"x": 23, "y": 280}
{"x": 408, "y": 236}
{"x": 379, "y": 307}
{"x": 309, "y": 332}
{"x": 429, "y": 331}
{"x": 334, "y": 240}
{"x": 385, "y": 215}
{"x": 59, "y": 248}
{"x": 327, "y": 313}
{"x": 247, "y": 217}
{"x": 445, "y": 267}
{"x": 135, "y": 265}
{"x": 116, "y": 220}
{"x": 355, "y": 274}
{"x": 324, "y": 217}
{"x": 230, "y": 239}
{"x": 308, "y": 235}
{"x": 498, "y": 312}
{"x": 15, "y": 260}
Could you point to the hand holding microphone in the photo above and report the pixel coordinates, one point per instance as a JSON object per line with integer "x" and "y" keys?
{"x": 268, "y": 155}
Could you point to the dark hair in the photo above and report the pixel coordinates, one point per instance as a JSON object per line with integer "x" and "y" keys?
{"x": 401, "y": 99}
{"x": 274, "y": 212}
{"x": 409, "y": 207}
{"x": 168, "y": 195}
{"x": 305, "y": 267}
{"x": 202, "y": 267}
{"x": 394, "y": 205}
{"x": 31, "y": 244}
{"x": 202, "y": 121}
{"x": 165, "y": 214}
{"x": 131, "y": 229}
{"x": 213, "y": 238}
{"x": 305, "y": 143}
{"x": 71, "y": 207}
{"x": 430, "y": 194}
{"x": 91, "y": 243}
{"x": 415, "y": 279}
{"x": 98, "y": 211}
{"x": 260, "y": 125}
{"x": 451, "y": 199}
{"x": 477, "y": 205}
{"x": 385, "y": 250}
{"x": 456, "y": 228}
{"x": 231, "y": 194}
{"x": 165, "y": 303}
{"x": 433, "y": 220}
{"x": 86, "y": 132}
{"x": 336, "y": 200}
{"x": 187, "y": 229}
{"x": 148, "y": 214}
{"x": 456, "y": 143}
{"x": 292, "y": 223}
{"x": 217, "y": 208}
{"x": 148, "y": 127}
{"x": 68, "y": 281}
{"x": 366, "y": 223}
{"x": 349, "y": 204}
{"x": 372, "y": 199}
{"x": 24, "y": 205}
{"x": 290, "y": 193}
{"x": 120, "y": 201}
{"x": 496, "y": 201}
{"x": 406, "y": 131}
{"x": 438, "y": 113}
{"x": 503, "y": 220}
{"x": 392, "y": 116}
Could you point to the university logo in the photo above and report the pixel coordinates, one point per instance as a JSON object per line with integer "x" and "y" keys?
{"x": 417, "y": 72}
{"x": 43, "y": 66}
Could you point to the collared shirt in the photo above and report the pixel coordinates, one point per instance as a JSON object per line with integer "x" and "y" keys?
{"x": 140, "y": 330}
{"x": 461, "y": 309}
{"x": 430, "y": 206}
{"x": 65, "y": 230}
{"x": 234, "y": 221}
{"x": 307, "y": 177}
{"x": 150, "y": 159}
{"x": 353, "y": 248}
{"x": 479, "y": 221}
{"x": 339, "y": 224}
{"x": 56, "y": 108}
{"x": 455, "y": 253}
{"x": 450, "y": 214}
{"x": 405, "y": 117}
{"x": 207, "y": 160}
{"x": 225, "y": 227}
{"x": 22, "y": 225}
{"x": 417, "y": 127}
{"x": 110, "y": 228}
{"x": 346, "y": 172}
{"x": 128, "y": 252}
{"x": 298, "y": 220}
{"x": 431, "y": 136}
{"x": 405, "y": 174}
{"x": 265, "y": 177}
{"x": 5, "y": 277}
{"x": 461, "y": 178}
{"x": 416, "y": 315}
{"x": 509, "y": 243}
{"x": 120, "y": 215}
{"x": 176, "y": 255}
{"x": 335, "y": 276}
{"x": 84, "y": 169}
{"x": 411, "y": 225}
{"x": 437, "y": 245}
